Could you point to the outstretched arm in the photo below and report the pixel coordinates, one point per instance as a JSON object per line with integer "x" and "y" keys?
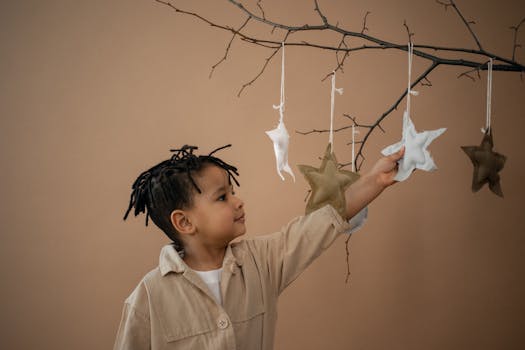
{"x": 371, "y": 184}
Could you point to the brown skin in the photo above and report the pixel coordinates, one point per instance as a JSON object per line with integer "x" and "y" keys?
{"x": 215, "y": 219}
{"x": 217, "y": 215}
{"x": 371, "y": 184}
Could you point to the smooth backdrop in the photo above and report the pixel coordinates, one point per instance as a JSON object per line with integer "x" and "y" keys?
{"x": 94, "y": 92}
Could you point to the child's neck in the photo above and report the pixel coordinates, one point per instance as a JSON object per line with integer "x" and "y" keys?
{"x": 204, "y": 259}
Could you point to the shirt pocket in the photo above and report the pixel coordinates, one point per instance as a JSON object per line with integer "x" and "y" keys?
{"x": 246, "y": 310}
{"x": 244, "y": 299}
{"x": 248, "y": 322}
{"x": 191, "y": 325}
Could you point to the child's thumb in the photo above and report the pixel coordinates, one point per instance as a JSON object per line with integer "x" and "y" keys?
{"x": 398, "y": 155}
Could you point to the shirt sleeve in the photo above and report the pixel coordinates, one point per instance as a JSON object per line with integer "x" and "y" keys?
{"x": 288, "y": 252}
{"x": 134, "y": 330}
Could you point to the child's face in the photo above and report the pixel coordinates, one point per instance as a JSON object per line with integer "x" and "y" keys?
{"x": 217, "y": 213}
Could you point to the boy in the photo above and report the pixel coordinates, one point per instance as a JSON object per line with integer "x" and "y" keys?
{"x": 208, "y": 293}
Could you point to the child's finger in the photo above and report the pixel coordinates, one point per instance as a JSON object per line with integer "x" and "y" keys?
{"x": 398, "y": 155}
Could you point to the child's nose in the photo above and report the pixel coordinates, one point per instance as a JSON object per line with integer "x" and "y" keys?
{"x": 238, "y": 202}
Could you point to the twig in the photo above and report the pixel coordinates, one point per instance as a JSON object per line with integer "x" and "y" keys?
{"x": 228, "y": 47}
{"x": 467, "y": 24}
{"x": 426, "y": 82}
{"x": 430, "y": 53}
{"x": 347, "y": 250}
{"x": 445, "y": 4}
{"x": 267, "y": 60}
{"x": 467, "y": 74}
{"x": 409, "y": 33}
{"x": 260, "y": 8}
{"x": 322, "y": 131}
{"x": 365, "y": 28}
{"x": 318, "y": 10}
{"x": 516, "y": 28}
{"x": 423, "y": 75}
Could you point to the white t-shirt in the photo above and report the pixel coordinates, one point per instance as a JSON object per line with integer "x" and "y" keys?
{"x": 212, "y": 278}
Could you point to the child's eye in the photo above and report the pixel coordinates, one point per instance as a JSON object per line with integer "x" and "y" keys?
{"x": 222, "y": 198}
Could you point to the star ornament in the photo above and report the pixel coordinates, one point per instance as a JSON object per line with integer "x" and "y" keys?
{"x": 280, "y": 139}
{"x": 328, "y": 183}
{"x": 487, "y": 164}
{"x": 416, "y": 154}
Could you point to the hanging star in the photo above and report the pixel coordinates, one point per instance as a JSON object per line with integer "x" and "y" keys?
{"x": 487, "y": 164}
{"x": 280, "y": 139}
{"x": 328, "y": 183}
{"x": 416, "y": 154}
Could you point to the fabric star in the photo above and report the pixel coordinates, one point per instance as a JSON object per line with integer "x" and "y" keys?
{"x": 280, "y": 139}
{"x": 328, "y": 183}
{"x": 487, "y": 164}
{"x": 416, "y": 154}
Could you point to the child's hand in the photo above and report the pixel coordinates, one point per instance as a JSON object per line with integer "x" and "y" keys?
{"x": 386, "y": 168}
{"x": 370, "y": 185}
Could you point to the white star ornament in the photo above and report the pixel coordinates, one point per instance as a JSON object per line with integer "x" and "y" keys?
{"x": 280, "y": 139}
{"x": 416, "y": 154}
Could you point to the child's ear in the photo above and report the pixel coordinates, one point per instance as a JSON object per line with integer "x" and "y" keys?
{"x": 181, "y": 222}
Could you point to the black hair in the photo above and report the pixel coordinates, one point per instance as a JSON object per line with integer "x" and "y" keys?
{"x": 169, "y": 185}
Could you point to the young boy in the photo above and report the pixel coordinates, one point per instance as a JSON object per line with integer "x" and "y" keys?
{"x": 207, "y": 292}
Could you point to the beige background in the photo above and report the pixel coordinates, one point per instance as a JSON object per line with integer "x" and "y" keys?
{"x": 93, "y": 92}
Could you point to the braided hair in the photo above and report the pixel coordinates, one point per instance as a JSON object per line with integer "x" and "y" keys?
{"x": 169, "y": 185}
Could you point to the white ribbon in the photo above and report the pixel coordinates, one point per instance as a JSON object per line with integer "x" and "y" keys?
{"x": 489, "y": 98}
{"x": 340, "y": 92}
{"x": 353, "y": 147}
{"x": 410, "y": 92}
{"x": 280, "y": 107}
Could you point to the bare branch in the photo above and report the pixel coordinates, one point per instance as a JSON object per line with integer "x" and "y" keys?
{"x": 446, "y": 5}
{"x": 260, "y": 8}
{"x": 467, "y": 74}
{"x": 340, "y": 63}
{"x": 355, "y": 123}
{"x": 318, "y": 10}
{"x": 365, "y": 28}
{"x": 322, "y": 131}
{"x": 268, "y": 59}
{"x": 409, "y": 33}
{"x": 347, "y": 250}
{"x": 228, "y": 47}
{"x": 390, "y": 110}
{"x": 467, "y": 24}
{"x": 515, "y": 45}
{"x": 342, "y": 50}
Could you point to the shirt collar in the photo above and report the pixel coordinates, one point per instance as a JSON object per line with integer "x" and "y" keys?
{"x": 170, "y": 260}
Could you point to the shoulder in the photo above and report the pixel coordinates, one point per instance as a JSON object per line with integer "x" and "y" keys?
{"x": 138, "y": 301}
{"x": 141, "y": 291}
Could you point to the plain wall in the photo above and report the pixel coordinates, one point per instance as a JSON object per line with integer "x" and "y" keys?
{"x": 94, "y": 92}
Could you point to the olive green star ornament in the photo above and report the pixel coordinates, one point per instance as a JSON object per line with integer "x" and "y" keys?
{"x": 487, "y": 164}
{"x": 328, "y": 183}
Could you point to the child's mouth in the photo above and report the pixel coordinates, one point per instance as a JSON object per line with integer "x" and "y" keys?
{"x": 240, "y": 219}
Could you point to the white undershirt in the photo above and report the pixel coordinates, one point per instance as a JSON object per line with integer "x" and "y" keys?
{"x": 212, "y": 278}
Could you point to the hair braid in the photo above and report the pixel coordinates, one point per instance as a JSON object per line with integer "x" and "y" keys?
{"x": 168, "y": 186}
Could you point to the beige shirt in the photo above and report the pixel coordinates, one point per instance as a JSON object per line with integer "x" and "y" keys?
{"x": 172, "y": 308}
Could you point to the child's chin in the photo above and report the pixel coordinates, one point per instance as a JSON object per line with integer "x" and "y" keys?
{"x": 239, "y": 235}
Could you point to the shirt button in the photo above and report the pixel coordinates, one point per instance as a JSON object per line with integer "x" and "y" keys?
{"x": 222, "y": 323}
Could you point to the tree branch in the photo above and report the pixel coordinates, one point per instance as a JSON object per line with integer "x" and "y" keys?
{"x": 467, "y": 24}
{"x": 228, "y": 47}
{"x": 427, "y": 52}
{"x": 516, "y": 28}
{"x": 365, "y": 28}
